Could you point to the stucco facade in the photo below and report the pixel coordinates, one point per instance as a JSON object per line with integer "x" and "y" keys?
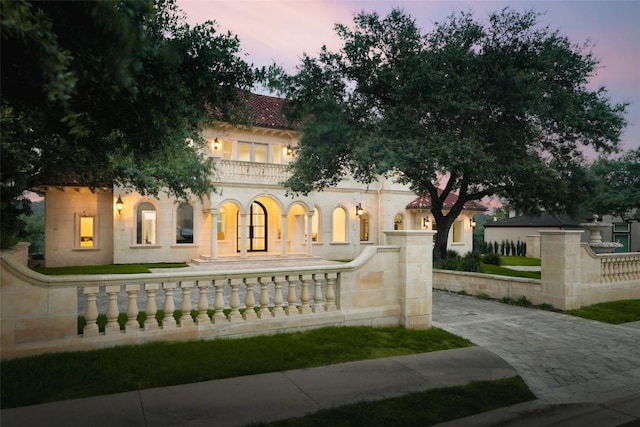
{"x": 249, "y": 213}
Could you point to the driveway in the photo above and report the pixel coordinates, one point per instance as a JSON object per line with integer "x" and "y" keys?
{"x": 562, "y": 358}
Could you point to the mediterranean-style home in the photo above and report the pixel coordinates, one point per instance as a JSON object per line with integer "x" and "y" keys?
{"x": 249, "y": 214}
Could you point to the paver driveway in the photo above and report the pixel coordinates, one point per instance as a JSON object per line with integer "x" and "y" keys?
{"x": 562, "y": 358}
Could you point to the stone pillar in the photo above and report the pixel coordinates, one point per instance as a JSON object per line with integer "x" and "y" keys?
{"x": 415, "y": 275}
{"x": 310, "y": 234}
{"x": 533, "y": 246}
{"x": 243, "y": 235}
{"x": 213, "y": 214}
{"x": 560, "y": 254}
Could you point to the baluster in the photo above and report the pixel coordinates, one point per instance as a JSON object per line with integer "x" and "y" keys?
{"x": 151, "y": 309}
{"x": 304, "y": 295}
{"x": 168, "y": 321}
{"x": 292, "y": 298}
{"x": 278, "y": 298}
{"x": 218, "y": 304}
{"x": 250, "y": 300}
{"x": 318, "y": 307}
{"x": 132, "y": 324}
{"x": 331, "y": 296}
{"x": 186, "y": 319}
{"x": 91, "y": 312}
{"x": 112, "y": 325}
{"x": 203, "y": 304}
{"x": 235, "y": 315}
{"x": 264, "y": 297}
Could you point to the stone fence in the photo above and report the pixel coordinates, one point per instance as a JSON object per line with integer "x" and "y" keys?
{"x": 572, "y": 276}
{"x": 385, "y": 285}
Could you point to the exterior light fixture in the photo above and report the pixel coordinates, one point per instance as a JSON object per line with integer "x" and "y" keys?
{"x": 472, "y": 223}
{"x": 425, "y": 221}
{"x": 289, "y": 150}
{"x": 359, "y": 210}
{"x": 119, "y": 205}
{"x": 216, "y": 144}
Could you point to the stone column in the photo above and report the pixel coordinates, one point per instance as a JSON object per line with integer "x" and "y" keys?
{"x": 243, "y": 235}
{"x": 560, "y": 254}
{"x": 213, "y": 214}
{"x": 310, "y": 234}
{"x": 415, "y": 275}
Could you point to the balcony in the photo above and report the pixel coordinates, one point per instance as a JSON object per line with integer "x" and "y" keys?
{"x": 250, "y": 172}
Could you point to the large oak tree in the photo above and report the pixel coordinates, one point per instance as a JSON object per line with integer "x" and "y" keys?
{"x": 500, "y": 108}
{"x": 111, "y": 92}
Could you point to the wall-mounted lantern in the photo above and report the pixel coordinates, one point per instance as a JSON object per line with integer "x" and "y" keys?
{"x": 119, "y": 205}
{"x": 359, "y": 210}
{"x": 216, "y": 144}
{"x": 472, "y": 223}
{"x": 288, "y": 150}
{"x": 425, "y": 222}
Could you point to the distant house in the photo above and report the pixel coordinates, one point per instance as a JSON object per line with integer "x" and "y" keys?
{"x": 519, "y": 227}
{"x": 249, "y": 214}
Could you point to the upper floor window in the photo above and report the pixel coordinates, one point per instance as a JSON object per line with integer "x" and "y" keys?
{"x": 253, "y": 152}
{"x": 339, "y": 224}
{"x": 184, "y": 223}
{"x": 146, "y": 224}
{"x": 315, "y": 225}
{"x": 220, "y": 224}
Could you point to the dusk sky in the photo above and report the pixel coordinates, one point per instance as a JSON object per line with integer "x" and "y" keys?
{"x": 281, "y": 31}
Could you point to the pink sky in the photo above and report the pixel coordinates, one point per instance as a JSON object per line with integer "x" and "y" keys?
{"x": 281, "y": 31}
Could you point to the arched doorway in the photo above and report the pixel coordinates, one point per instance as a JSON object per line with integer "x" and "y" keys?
{"x": 257, "y": 238}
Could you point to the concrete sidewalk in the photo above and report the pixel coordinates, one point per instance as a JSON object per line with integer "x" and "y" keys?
{"x": 268, "y": 397}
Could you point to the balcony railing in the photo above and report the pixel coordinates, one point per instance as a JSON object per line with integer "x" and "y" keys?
{"x": 251, "y": 172}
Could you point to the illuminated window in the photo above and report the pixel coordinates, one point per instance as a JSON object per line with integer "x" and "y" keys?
{"x": 315, "y": 225}
{"x": 397, "y": 222}
{"x": 253, "y": 152}
{"x": 364, "y": 227}
{"x": 227, "y": 150}
{"x": 457, "y": 232}
{"x": 184, "y": 223}
{"x": 146, "y": 224}
{"x": 87, "y": 232}
{"x": 220, "y": 223}
{"x": 339, "y": 225}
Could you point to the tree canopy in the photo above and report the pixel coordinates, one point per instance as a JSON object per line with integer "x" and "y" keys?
{"x": 500, "y": 108}
{"x": 617, "y": 186}
{"x": 111, "y": 92}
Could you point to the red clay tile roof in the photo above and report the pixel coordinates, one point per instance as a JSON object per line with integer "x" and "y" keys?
{"x": 424, "y": 202}
{"x": 267, "y": 111}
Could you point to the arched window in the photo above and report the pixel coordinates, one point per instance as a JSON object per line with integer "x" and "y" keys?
{"x": 220, "y": 224}
{"x": 315, "y": 225}
{"x": 364, "y": 227}
{"x": 146, "y": 224}
{"x": 397, "y": 222}
{"x": 339, "y": 225}
{"x": 184, "y": 223}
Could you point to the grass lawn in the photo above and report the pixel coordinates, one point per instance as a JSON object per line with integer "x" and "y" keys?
{"x": 519, "y": 260}
{"x": 614, "y": 312}
{"x": 503, "y": 271}
{"x": 62, "y": 376}
{"x": 419, "y": 409}
{"x": 107, "y": 269}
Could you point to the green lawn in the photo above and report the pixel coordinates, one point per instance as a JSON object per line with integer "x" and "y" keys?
{"x": 519, "y": 260}
{"x": 614, "y": 312}
{"x": 62, "y": 376}
{"x": 107, "y": 269}
{"x": 503, "y": 271}
{"x": 419, "y": 409}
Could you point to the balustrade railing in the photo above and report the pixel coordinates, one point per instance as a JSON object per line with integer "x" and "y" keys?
{"x": 250, "y": 172}
{"x": 620, "y": 267}
{"x": 256, "y": 298}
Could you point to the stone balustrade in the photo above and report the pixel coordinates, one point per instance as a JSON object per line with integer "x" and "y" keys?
{"x": 250, "y": 172}
{"x": 620, "y": 267}
{"x": 384, "y": 286}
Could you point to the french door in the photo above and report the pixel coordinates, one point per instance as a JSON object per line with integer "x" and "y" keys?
{"x": 257, "y": 238}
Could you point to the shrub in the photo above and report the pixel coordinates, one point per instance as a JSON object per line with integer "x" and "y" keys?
{"x": 546, "y": 306}
{"x": 470, "y": 262}
{"x": 483, "y": 295}
{"x": 493, "y": 259}
{"x": 523, "y": 302}
{"x": 450, "y": 262}
{"x": 507, "y": 300}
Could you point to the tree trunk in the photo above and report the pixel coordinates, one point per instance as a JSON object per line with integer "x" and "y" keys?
{"x": 442, "y": 236}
